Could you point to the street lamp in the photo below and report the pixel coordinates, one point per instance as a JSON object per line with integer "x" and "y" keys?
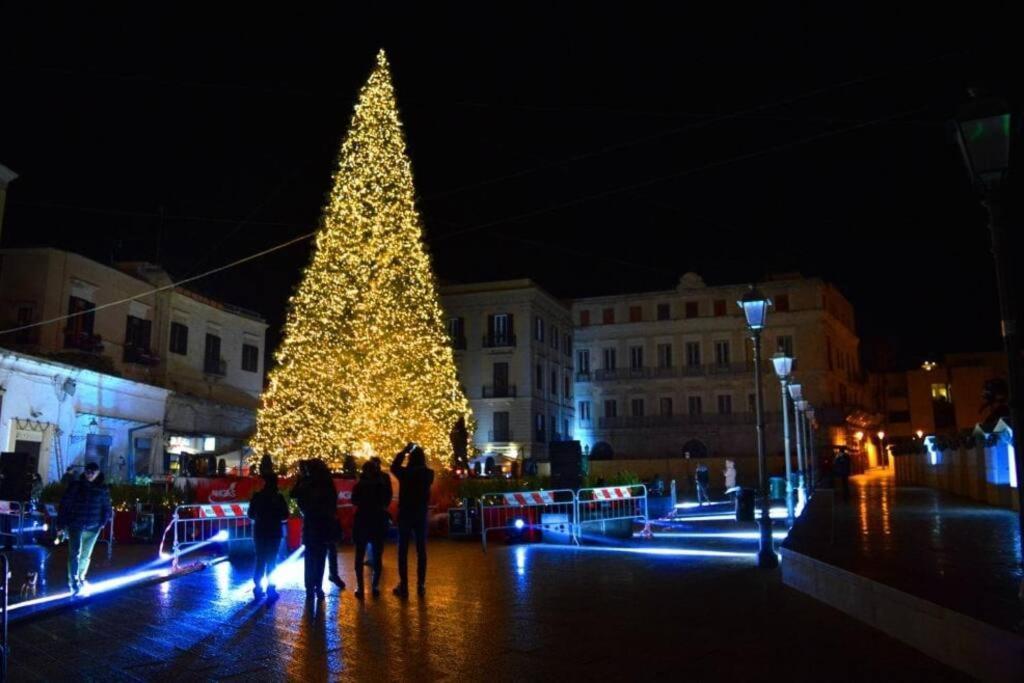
{"x": 783, "y": 369}
{"x": 796, "y": 392}
{"x": 802, "y": 418}
{"x": 881, "y": 449}
{"x": 987, "y": 130}
{"x": 811, "y": 428}
{"x": 755, "y": 309}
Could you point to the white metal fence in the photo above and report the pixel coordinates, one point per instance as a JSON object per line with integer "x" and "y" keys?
{"x": 200, "y": 524}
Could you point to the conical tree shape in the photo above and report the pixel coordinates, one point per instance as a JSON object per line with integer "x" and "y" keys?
{"x": 366, "y": 364}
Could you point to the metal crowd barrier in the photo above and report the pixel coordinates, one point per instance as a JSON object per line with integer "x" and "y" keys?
{"x": 11, "y": 511}
{"x": 198, "y": 524}
{"x": 610, "y": 503}
{"x": 550, "y": 511}
{"x": 562, "y": 512}
{"x": 5, "y": 575}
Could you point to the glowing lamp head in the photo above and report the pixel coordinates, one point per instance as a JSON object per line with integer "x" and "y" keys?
{"x": 920, "y": 433}
{"x": 755, "y": 308}
{"x": 221, "y": 535}
{"x": 881, "y": 435}
{"x": 783, "y": 365}
{"x": 858, "y": 435}
{"x": 796, "y": 391}
{"x": 983, "y": 131}
{"x": 519, "y": 524}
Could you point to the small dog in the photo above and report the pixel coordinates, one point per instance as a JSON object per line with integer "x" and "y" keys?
{"x": 31, "y": 585}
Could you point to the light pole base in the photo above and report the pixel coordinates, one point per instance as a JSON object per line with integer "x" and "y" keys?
{"x": 766, "y": 557}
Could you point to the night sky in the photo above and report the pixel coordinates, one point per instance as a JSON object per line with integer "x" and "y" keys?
{"x": 594, "y": 151}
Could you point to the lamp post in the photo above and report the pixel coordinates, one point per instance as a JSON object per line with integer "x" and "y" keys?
{"x": 801, "y": 409}
{"x": 881, "y": 449}
{"x": 755, "y": 309}
{"x": 987, "y": 131}
{"x": 783, "y": 369}
{"x": 796, "y": 392}
{"x": 809, "y": 414}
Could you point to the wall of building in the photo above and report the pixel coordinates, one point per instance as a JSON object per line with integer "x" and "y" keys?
{"x": 35, "y": 406}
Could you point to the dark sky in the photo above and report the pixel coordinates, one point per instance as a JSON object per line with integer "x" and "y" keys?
{"x": 595, "y": 151}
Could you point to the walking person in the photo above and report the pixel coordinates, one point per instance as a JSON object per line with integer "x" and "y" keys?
{"x": 841, "y": 468}
{"x": 703, "y": 477}
{"x": 315, "y": 496}
{"x": 84, "y": 511}
{"x": 414, "y": 481}
{"x": 268, "y": 509}
{"x": 369, "y": 498}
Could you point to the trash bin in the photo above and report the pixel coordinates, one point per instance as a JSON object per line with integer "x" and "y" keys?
{"x": 778, "y": 487}
{"x": 745, "y": 505}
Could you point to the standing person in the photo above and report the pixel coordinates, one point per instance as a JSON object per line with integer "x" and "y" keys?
{"x": 314, "y": 493}
{"x": 84, "y": 511}
{"x": 369, "y": 498}
{"x": 414, "y": 482}
{"x": 730, "y": 477}
{"x": 268, "y": 509}
{"x": 69, "y": 475}
{"x": 841, "y": 468}
{"x": 703, "y": 478}
{"x": 387, "y": 493}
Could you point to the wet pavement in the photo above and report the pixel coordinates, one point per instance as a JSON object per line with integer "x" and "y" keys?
{"x": 937, "y": 546}
{"x": 516, "y": 613}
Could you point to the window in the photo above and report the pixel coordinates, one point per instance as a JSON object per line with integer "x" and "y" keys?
{"x": 553, "y": 432}
{"x": 721, "y": 353}
{"x": 250, "y": 358}
{"x": 567, "y": 388}
{"x": 781, "y": 303}
{"x": 500, "y": 424}
{"x": 784, "y": 344}
{"x": 539, "y": 425}
{"x": 694, "y": 404}
{"x": 664, "y": 355}
{"x": 828, "y": 352}
{"x": 584, "y": 318}
{"x": 554, "y": 383}
{"x": 79, "y": 330}
{"x": 136, "y": 334}
{"x": 583, "y": 360}
{"x": 584, "y": 411}
{"x": 725, "y": 404}
{"x": 610, "y": 408}
{"x": 538, "y": 328}
{"x": 565, "y": 429}
{"x": 179, "y": 339}
{"x": 940, "y": 392}
{"x": 751, "y": 403}
{"x": 692, "y": 309}
{"x": 720, "y": 308}
{"x": 211, "y": 355}
{"x": 693, "y": 354}
{"x": 636, "y": 314}
{"x": 609, "y": 359}
{"x": 664, "y": 312}
{"x": 665, "y": 406}
{"x": 26, "y": 316}
{"x": 637, "y": 406}
{"x": 499, "y": 377}
{"x": 636, "y": 357}
{"x": 567, "y": 344}
{"x": 540, "y": 378}
{"x": 608, "y": 316}
{"x": 554, "y": 337}
{"x": 457, "y": 332}
{"x": 500, "y": 330}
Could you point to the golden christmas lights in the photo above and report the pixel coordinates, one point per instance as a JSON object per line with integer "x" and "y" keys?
{"x": 365, "y": 365}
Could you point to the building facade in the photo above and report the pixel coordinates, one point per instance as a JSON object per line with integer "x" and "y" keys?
{"x": 64, "y": 416}
{"x": 513, "y": 351}
{"x": 661, "y": 374}
{"x": 130, "y": 321}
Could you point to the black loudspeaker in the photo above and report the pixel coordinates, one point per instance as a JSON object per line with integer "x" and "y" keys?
{"x": 17, "y": 470}
{"x": 566, "y": 464}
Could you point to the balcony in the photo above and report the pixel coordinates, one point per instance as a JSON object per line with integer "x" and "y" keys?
{"x": 217, "y": 368}
{"x": 80, "y": 340}
{"x": 665, "y": 371}
{"x": 499, "y": 391}
{"x": 582, "y": 376}
{"x": 692, "y": 371}
{"x": 500, "y": 435}
{"x": 140, "y": 356}
{"x": 498, "y": 341}
{"x": 704, "y": 419}
{"x": 605, "y": 374}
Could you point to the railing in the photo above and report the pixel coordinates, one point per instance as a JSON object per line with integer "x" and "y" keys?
{"x": 494, "y": 341}
{"x": 83, "y": 341}
{"x": 583, "y": 376}
{"x": 219, "y": 368}
{"x": 499, "y": 391}
{"x": 605, "y": 374}
{"x": 500, "y": 436}
{"x": 140, "y": 356}
{"x": 665, "y": 371}
{"x": 645, "y": 421}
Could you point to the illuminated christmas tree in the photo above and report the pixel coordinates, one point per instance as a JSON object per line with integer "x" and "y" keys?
{"x": 366, "y": 364}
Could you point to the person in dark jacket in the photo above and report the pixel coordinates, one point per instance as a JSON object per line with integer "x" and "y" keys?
{"x": 268, "y": 509}
{"x": 414, "y": 483}
{"x": 387, "y": 493}
{"x": 841, "y": 469}
{"x": 314, "y": 492}
{"x": 84, "y": 511}
{"x": 370, "y": 499}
